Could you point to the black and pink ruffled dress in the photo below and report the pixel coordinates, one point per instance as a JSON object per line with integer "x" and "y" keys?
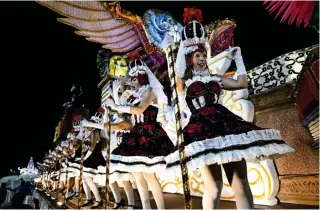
{"x": 215, "y": 135}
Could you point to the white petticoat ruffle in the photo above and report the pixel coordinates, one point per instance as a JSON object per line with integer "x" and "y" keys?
{"x": 137, "y": 163}
{"x": 86, "y": 172}
{"x": 251, "y": 153}
{"x": 100, "y": 178}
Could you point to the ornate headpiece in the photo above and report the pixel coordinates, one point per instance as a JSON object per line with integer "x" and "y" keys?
{"x": 76, "y": 123}
{"x": 193, "y": 35}
{"x": 137, "y": 66}
{"x": 98, "y": 116}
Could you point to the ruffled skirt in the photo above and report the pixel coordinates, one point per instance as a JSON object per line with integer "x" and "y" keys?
{"x": 214, "y": 135}
{"x": 142, "y": 150}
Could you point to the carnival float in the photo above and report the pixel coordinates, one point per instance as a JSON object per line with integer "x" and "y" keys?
{"x": 282, "y": 91}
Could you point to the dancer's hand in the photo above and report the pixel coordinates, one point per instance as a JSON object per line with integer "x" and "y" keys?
{"x": 84, "y": 123}
{"x": 168, "y": 41}
{"x": 110, "y": 103}
{"x": 116, "y": 86}
{"x": 235, "y": 52}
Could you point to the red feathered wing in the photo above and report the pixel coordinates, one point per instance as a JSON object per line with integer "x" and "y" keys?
{"x": 299, "y": 11}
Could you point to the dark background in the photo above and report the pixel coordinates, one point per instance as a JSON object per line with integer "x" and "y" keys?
{"x": 41, "y": 59}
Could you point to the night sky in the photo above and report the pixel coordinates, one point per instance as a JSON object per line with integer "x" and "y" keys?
{"x": 41, "y": 59}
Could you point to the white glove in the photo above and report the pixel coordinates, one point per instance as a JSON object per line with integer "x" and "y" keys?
{"x": 208, "y": 48}
{"x": 167, "y": 41}
{"x": 87, "y": 155}
{"x": 110, "y": 103}
{"x": 77, "y": 159}
{"x": 116, "y": 85}
{"x": 237, "y": 57}
{"x": 86, "y": 123}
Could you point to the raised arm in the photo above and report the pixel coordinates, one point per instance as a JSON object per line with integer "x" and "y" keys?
{"x": 146, "y": 99}
{"x": 241, "y": 82}
{"x": 232, "y": 84}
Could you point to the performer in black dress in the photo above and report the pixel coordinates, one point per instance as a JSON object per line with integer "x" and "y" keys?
{"x": 143, "y": 149}
{"x": 214, "y": 135}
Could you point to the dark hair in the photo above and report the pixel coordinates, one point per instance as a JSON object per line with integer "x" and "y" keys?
{"x": 143, "y": 79}
{"x": 189, "y": 62}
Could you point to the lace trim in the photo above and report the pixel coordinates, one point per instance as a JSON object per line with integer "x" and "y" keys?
{"x": 249, "y": 154}
{"x": 137, "y": 163}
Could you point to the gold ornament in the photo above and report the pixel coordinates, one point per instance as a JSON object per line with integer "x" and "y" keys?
{"x": 118, "y": 67}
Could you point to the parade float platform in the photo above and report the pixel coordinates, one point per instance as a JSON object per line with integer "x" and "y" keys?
{"x": 172, "y": 201}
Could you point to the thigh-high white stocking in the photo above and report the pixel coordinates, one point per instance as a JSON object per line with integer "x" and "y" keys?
{"x": 155, "y": 189}
{"x": 143, "y": 190}
{"x": 212, "y": 179}
{"x": 86, "y": 189}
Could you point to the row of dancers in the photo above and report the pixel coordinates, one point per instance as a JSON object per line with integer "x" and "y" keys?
{"x": 142, "y": 142}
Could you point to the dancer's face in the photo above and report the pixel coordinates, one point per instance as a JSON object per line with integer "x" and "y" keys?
{"x": 135, "y": 83}
{"x": 199, "y": 61}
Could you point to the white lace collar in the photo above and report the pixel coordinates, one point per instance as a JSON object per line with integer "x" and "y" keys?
{"x": 200, "y": 73}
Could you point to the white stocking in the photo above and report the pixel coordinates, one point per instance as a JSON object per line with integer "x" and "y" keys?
{"x": 155, "y": 189}
{"x": 143, "y": 190}
{"x": 237, "y": 176}
{"x": 115, "y": 191}
{"x": 77, "y": 184}
{"x": 129, "y": 192}
{"x": 61, "y": 185}
{"x": 93, "y": 188}
{"x": 86, "y": 189}
{"x": 243, "y": 194}
{"x": 212, "y": 180}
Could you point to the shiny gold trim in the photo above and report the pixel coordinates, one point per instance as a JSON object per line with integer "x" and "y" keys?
{"x": 219, "y": 60}
{"x": 77, "y": 18}
{"x": 114, "y": 42}
{"x": 84, "y": 8}
{"x": 81, "y": 29}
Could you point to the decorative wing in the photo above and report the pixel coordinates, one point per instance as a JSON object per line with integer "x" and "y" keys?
{"x": 220, "y": 35}
{"x": 97, "y": 23}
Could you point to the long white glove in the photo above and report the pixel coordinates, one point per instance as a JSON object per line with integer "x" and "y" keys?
{"x": 121, "y": 109}
{"x": 86, "y": 123}
{"x": 115, "y": 89}
{"x": 184, "y": 109}
{"x": 168, "y": 41}
{"x": 87, "y": 155}
{"x": 237, "y": 57}
{"x": 110, "y": 103}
